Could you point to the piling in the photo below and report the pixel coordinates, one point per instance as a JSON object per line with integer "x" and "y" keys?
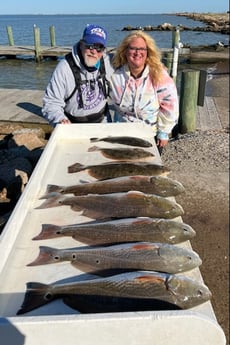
{"x": 188, "y": 101}
{"x": 10, "y": 35}
{"x": 176, "y": 47}
{"x": 52, "y": 36}
{"x": 37, "y": 44}
{"x": 168, "y": 59}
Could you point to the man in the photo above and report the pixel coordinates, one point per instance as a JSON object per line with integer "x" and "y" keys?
{"x": 78, "y": 88}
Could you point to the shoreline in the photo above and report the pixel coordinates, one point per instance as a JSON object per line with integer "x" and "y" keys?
{"x": 218, "y": 22}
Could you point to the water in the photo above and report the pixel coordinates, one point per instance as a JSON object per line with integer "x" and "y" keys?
{"x": 27, "y": 74}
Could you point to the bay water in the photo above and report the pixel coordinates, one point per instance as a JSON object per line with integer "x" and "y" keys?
{"x": 24, "y": 73}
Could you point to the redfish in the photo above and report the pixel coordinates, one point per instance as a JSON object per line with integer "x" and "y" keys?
{"x": 159, "y": 185}
{"x": 121, "y": 230}
{"x": 178, "y": 290}
{"x": 117, "y": 205}
{"x": 148, "y": 256}
{"x": 126, "y": 140}
{"x": 122, "y": 153}
{"x": 119, "y": 168}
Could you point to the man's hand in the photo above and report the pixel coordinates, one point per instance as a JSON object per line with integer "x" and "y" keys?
{"x": 65, "y": 121}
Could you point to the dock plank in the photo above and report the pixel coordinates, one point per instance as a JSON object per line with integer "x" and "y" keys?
{"x": 24, "y": 106}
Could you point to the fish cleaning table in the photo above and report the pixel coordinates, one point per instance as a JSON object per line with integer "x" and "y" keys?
{"x": 56, "y": 323}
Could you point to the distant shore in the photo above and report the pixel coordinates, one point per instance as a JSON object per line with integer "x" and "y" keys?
{"x": 218, "y": 21}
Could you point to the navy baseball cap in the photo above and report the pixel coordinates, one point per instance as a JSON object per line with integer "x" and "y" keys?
{"x": 94, "y": 34}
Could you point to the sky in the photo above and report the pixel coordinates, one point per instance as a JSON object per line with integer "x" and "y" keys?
{"x": 112, "y": 7}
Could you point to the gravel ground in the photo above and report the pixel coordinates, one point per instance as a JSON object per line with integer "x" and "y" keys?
{"x": 200, "y": 161}
{"x": 200, "y": 151}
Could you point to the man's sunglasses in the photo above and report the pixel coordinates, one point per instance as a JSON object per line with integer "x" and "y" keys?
{"x": 98, "y": 47}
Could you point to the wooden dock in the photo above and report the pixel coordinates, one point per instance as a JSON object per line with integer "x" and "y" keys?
{"x": 14, "y": 51}
{"x": 196, "y": 56}
{"x": 24, "y": 107}
{"x": 56, "y": 51}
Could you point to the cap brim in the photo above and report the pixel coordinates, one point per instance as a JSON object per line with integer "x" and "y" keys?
{"x": 95, "y": 40}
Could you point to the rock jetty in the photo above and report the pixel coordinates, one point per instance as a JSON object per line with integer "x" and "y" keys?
{"x": 20, "y": 150}
{"x": 214, "y": 23}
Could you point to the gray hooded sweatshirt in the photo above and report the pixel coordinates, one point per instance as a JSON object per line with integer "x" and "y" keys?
{"x": 62, "y": 84}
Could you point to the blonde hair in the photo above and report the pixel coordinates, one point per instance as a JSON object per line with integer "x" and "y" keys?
{"x": 153, "y": 59}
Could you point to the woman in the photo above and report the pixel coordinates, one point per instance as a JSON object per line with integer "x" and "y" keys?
{"x": 141, "y": 88}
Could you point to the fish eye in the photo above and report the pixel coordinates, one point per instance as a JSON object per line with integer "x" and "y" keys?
{"x": 189, "y": 257}
{"x": 56, "y": 257}
{"x": 97, "y": 261}
{"x": 199, "y": 293}
{"x": 74, "y": 256}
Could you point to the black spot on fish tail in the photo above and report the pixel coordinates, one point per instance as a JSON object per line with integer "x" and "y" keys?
{"x": 47, "y": 255}
{"x": 36, "y": 296}
{"x": 48, "y": 231}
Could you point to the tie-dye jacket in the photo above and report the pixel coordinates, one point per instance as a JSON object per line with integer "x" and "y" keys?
{"x": 138, "y": 100}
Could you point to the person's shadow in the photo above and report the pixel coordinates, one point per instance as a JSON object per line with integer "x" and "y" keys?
{"x": 32, "y": 108}
{"x": 9, "y": 334}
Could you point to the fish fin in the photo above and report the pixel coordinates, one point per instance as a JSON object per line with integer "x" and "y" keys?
{"x": 144, "y": 245}
{"x": 35, "y": 297}
{"x": 94, "y": 139}
{"x": 76, "y": 167}
{"x": 76, "y": 208}
{"x": 48, "y": 231}
{"x": 82, "y": 267}
{"x": 47, "y": 255}
{"x": 84, "y": 181}
{"x": 95, "y": 214}
{"x": 135, "y": 194}
{"x": 93, "y": 149}
{"x": 53, "y": 200}
{"x": 142, "y": 220}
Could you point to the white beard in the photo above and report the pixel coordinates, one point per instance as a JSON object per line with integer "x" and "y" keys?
{"x": 90, "y": 61}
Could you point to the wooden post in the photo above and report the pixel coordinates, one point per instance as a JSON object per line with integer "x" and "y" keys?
{"x": 52, "y": 36}
{"x": 188, "y": 101}
{"x": 202, "y": 87}
{"x": 37, "y": 44}
{"x": 176, "y": 46}
{"x": 175, "y": 37}
{"x": 168, "y": 62}
{"x": 10, "y": 35}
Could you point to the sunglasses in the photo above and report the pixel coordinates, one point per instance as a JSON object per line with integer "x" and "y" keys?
{"x": 98, "y": 47}
{"x": 134, "y": 49}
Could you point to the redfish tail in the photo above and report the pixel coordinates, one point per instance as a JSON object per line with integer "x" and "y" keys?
{"x": 52, "y": 188}
{"x": 48, "y": 231}
{"x": 35, "y": 297}
{"x": 52, "y": 200}
{"x": 75, "y": 167}
{"x": 47, "y": 255}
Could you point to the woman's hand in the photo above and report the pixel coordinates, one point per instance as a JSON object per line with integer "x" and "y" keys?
{"x": 162, "y": 142}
